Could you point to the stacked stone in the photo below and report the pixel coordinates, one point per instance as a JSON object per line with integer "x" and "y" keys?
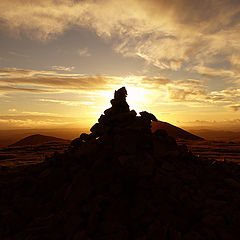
{"x": 122, "y": 131}
{"x": 121, "y": 182}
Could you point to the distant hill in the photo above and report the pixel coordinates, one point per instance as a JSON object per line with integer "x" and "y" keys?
{"x": 37, "y": 139}
{"x": 10, "y": 136}
{"x": 174, "y": 131}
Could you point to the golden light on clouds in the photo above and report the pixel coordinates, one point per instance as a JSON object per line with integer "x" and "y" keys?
{"x": 178, "y": 59}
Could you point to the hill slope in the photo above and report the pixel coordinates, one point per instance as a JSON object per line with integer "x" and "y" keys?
{"x": 174, "y": 131}
{"x": 37, "y": 139}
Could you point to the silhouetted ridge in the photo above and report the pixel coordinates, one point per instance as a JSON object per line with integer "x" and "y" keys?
{"x": 37, "y": 139}
{"x": 174, "y": 131}
{"x": 122, "y": 182}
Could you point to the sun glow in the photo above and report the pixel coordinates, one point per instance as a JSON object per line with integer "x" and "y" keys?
{"x": 137, "y": 98}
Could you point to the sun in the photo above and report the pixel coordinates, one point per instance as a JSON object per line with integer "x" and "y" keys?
{"x": 136, "y": 97}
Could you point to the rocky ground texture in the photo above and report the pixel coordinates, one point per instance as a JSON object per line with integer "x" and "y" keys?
{"x": 121, "y": 182}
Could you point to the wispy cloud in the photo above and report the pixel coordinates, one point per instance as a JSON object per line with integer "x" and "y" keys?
{"x": 155, "y": 81}
{"x": 13, "y": 53}
{"x": 33, "y": 120}
{"x": 84, "y": 52}
{"x": 235, "y": 107}
{"x": 187, "y": 94}
{"x": 34, "y": 81}
{"x": 188, "y": 91}
{"x": 167, "y": 34}
{"x": 230, "y": 124}
{"x": 48, "y": 81}
{"x": 63, "y": 68}
{"x": 12, "y": 110}
{"x": 21, "y": 89}
{"x": 17, "y": 72}
{"x": 28, "y": 113}
{"x": 67, "y": 102}
{"x": 211, "y": 72}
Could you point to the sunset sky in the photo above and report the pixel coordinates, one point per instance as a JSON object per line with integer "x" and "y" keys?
{"x": 60, "y": 61}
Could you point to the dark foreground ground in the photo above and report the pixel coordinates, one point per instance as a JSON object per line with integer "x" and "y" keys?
{"x": 121, "y": 191}
{"x": 212, "y": 150}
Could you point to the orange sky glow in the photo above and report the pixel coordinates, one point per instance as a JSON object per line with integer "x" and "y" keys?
{"x": 61, "y": 60}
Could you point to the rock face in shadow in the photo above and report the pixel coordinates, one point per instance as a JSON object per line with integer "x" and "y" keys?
{"x": 121, "y": 181}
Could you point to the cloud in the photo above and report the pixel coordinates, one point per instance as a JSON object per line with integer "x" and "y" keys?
{"x": 17, "y": 72}
{"x": 7, "y": 72}
{"x": 62, "y": 68}
{"x": 47, "y": 81}
{"x": 156, "y": 89}
{"x": 58, "y": 83}
{"x": 196, "y": 91}
{"x": 229, "y": 95}
{"x": 235, "y": 107}
{"x": 21, "y": 89}
{"x": 167, "y": 34}
{"x": 67, "y": 102}
{"x": 154, "y": 82}
{"x": 12, "y": 110}
{"x": 84, "y": 52}
{"x": 212, "y": 123}
{"x": 189, "y": 83}
{"x": 33, "y": 120}
{"x": 25, "y": 113}
{"x": 189, "y": 94}
{"x": 211, "y": 72}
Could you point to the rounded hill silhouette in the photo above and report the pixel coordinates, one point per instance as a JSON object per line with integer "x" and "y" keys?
{"x": 37, "y": 139}
{"x": 122, "y": 181}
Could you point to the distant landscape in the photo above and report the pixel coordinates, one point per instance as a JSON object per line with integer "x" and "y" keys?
{"x": 218, "y": 135}
{"x": 207, "y": 143}
{"x": 8, "y": 137}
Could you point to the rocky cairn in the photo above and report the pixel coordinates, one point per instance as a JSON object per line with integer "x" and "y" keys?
{"x": 120, "y": 182}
